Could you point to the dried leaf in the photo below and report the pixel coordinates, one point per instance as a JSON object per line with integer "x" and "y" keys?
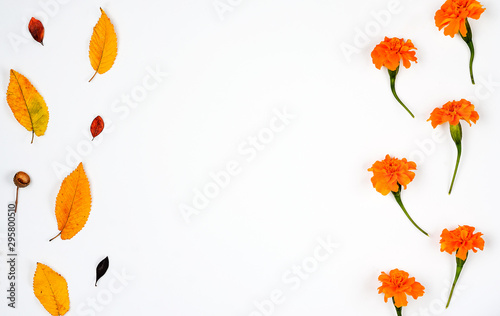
{"x": 27, "y": 105}
{"x": 103, "y": 45}
{"x": 96, "y": 127}
{"x": 51, "y": 289}
{"x": 73, "y": 203}
{"x": 37, "y": 30}
{"x": 101, "y": 269}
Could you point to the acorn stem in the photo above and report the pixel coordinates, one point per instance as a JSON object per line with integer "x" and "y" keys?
{"x": 17, "y": 195}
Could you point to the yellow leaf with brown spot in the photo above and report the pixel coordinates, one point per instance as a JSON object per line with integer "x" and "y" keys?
{"x": 27, "y": 105}
{"x": 103, "y": 45}
{"x": 73, "y": 203}
{"x": 51, "y": 289}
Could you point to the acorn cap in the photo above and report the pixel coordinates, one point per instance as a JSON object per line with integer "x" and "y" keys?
{"x": 21, "y": 179}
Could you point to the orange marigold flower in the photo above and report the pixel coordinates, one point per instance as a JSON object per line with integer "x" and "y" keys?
{"x": 453, "y": 112}
{"x": 462, "y": 239}
{"x": 453, "y": 14}
{"x": 390, "y": 172}
{"x": 398, "y": 284}
{"x": 389, "y": 175}
{"x": 391, "y": 51}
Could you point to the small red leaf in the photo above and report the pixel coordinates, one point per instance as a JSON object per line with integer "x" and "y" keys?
{"x": 37, "y": 30}
{"x": 97, "y": 126}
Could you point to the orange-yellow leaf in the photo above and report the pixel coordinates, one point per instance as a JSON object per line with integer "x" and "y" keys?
{"x": 73, "y": 203}
{"x": 51, "y": 289}
{"x": 27, "y": 104}
{"x": 103, "y": 45}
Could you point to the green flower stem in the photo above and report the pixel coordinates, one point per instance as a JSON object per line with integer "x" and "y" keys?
{"x": 460, "y": 265}
{"x": 459, "y": 153}
{"x": 399, "y": 310}
{"x": 456, "y": 134}
{"x": 397, "y": 195}
{"x": 468, "y": 40}
{"x": 392, "y": 75}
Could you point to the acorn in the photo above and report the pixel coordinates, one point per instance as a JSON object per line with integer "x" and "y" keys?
{"x": 21, "y": 180}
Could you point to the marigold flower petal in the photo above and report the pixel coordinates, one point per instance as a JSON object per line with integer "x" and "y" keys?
{"x": 453, "y": 112}
{"x": 400, "y": 299}
{"x": 397, "y": 284}
{"x": 453, "y": 13}
{"x": 391, "y": 51}
{"x": 461, "y": 240}
{"x": 417, "y": 290}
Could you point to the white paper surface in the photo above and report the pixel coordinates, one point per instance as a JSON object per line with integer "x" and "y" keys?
{"x": 258, "y": 104}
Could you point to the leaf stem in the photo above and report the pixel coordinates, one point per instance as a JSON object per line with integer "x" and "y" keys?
{"x": 56, "y": 236}
{"x": 392, "y": 75}
{"x": 32, "y": 135}
{"x": 397, "y": 195}
{"x": 93, "y": 76}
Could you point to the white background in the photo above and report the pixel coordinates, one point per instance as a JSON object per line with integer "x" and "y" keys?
{"x": 228, "y": 72}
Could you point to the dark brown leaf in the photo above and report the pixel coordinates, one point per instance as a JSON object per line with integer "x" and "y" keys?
{"x": 101, "y": 269}
{"x": 37, "y": 30}
{"x": 96, "y": 127}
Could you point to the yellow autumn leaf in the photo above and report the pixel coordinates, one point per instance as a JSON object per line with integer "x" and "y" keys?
{"x": 73, "y": 203}
{"x": 51, "y": 289}
{"x": 103, "y": 45}
{"x": 27, "y": 105}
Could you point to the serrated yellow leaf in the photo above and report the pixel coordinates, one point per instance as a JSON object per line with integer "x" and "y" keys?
{"x": 103, "y": 45}
{"x": 51, "y": 289}
{"x": 27, "y": 104}
{"x": 73, "y": 203}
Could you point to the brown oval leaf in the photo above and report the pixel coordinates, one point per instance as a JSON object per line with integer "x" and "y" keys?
{"x": 37, "y": 30}
{"x": 97, "y": 126}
